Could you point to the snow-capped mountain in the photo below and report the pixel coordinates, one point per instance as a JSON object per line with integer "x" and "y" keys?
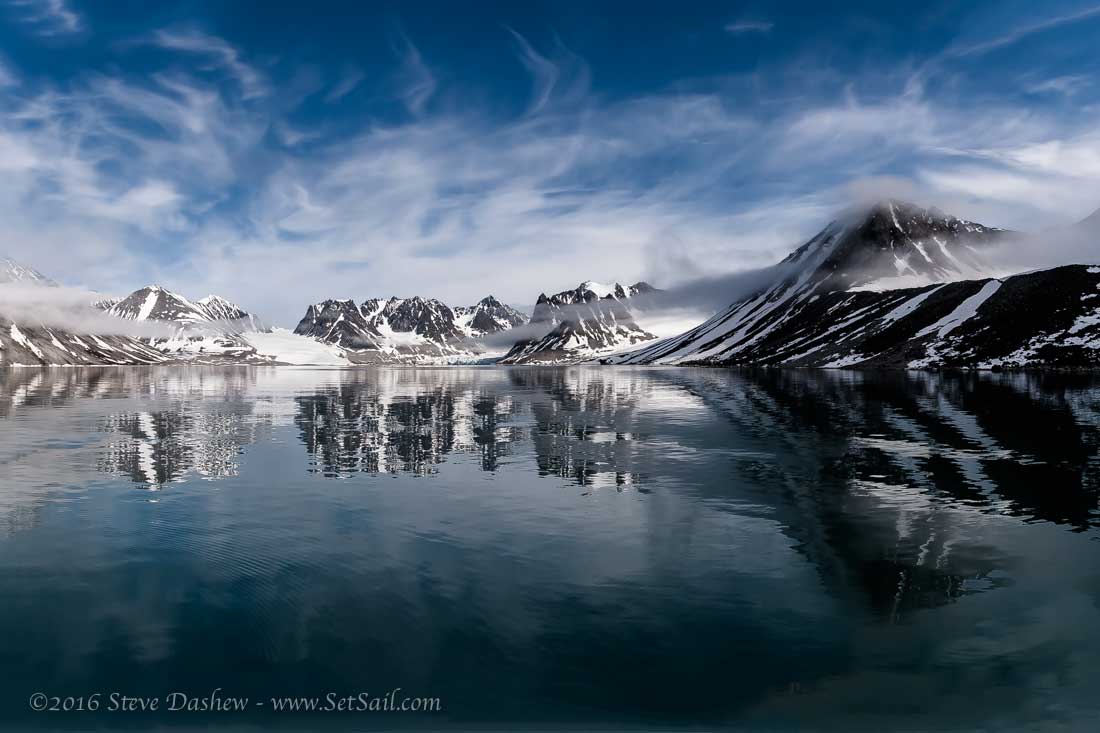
{"x": 897, "y": 244}
{"x": 488, "y": 316}
{"x": 209, "y": 329}
{"x": 407, "y": 329}
{"x": 14, "y": 272}
{"x": 154, "y": 303}
{"x": 582, "y": 323}
{"x": 818, "y": 311}
{"x": 222, "y": 310}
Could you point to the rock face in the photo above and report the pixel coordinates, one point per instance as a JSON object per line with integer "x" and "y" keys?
{"x": 412, "y": 330}
{"x": 580, "y": 324}
{"x": 819, "y": 312}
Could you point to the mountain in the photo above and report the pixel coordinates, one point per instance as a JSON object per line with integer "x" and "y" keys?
{"x": 819, "y": 311}
{"x": 580, "y": 324}
{"x": 13, "y": 272}
{"x": 211, "y": 329}
{"x": 414, "y": 330}
{"x": 488, "y": 316}
{"x": 896, "y": 244}
{"x": 220, "y": 309}
{"x": 26, "y": 341}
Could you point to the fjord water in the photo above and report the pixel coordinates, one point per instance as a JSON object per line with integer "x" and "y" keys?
{"x": 554, "y": 547}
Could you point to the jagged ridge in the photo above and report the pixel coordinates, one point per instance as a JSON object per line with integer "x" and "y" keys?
{"x": 408, "y": 329}
{"x": 581, "y": 323}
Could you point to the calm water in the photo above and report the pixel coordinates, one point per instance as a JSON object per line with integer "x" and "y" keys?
{"x": 554, "y": 547}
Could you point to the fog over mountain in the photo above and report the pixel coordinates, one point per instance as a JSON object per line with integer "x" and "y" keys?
{"x": 70, "y": 309}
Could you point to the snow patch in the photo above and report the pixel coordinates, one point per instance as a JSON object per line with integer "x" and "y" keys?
{"x": 148, "y": 305}
{"x": 601, "y": 290}
{"x": 964, "y": 312}
{"x": 18, "y": 337}
{"x": 908, "y": 306}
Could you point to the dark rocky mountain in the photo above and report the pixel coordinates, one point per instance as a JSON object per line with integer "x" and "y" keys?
{"x": 408, "y": 329}
{"x": 818, "y": 310}
{"x": 896, "y": 244}
{"x": 341, "y": 323}
{"x": 582, "y": 323}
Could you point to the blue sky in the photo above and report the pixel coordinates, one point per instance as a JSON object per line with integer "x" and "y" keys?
{"x": 279, "y": 153}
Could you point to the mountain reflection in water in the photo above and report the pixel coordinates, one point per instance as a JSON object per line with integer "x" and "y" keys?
{"x": 603, "y": 545}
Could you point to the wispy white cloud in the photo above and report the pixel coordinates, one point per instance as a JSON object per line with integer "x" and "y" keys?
{"x": 351, "y": 78}
{"x": 544, "y": 72}
{"x": 416, "y": 82}
{"x": 456, "y": 203}
{"x": 48, "y": 17}
{"x": 1067, "y": 85}
{"x": 562, "y": 77}
{"x": 7, "y": 76}
{"x": 221, "y": 53}
{"x": 749, "y": 26}
{"x": 1021, "y": 32}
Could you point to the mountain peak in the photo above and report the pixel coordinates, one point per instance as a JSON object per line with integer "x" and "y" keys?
{"x": 15, "y": 272}
{"x": 601, "y": 290}
{"x": 901, "y": 214}
{"x": 894, "y": 244}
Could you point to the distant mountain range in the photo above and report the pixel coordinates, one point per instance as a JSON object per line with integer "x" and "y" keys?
{"x": 895, "y": 286}
{"x": 414, "y": 330}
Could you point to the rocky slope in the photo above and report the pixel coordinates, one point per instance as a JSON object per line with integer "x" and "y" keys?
{"x": 408, "y": 330}
{"x": 40, "y": 345}
{"x": 579, "y": 324}
{"x": 819, "y": 310}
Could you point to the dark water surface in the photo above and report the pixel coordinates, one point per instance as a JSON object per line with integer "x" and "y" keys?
{"x": 553, "y": 547}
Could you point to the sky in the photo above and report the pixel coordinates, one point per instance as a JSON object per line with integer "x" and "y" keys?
{"x": 282, "y": 153}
